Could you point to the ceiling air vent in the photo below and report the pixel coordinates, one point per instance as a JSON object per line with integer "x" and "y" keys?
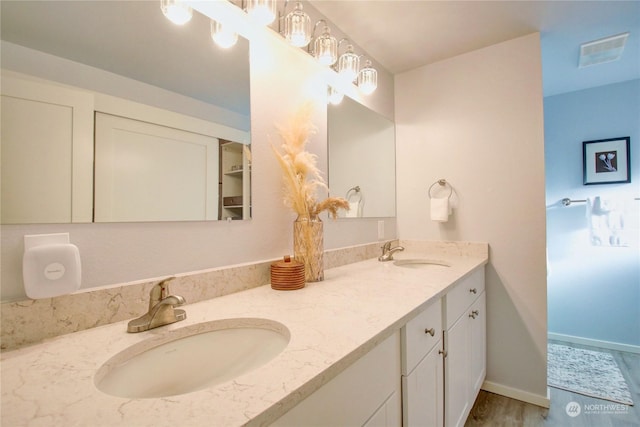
{"x": 603, "y": 50}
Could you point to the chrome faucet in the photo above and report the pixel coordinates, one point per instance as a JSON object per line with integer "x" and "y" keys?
{"x": 388, "y": 251}
{"x": 161, "y": 309}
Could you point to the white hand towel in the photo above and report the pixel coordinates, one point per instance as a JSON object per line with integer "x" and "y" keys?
{"x": 440, "y": 209}
{"x": 353, "y": 210}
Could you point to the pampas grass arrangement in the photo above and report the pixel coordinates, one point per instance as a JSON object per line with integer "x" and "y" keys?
{"x": 302, "y": 182}
{"x": 302, "y": 178}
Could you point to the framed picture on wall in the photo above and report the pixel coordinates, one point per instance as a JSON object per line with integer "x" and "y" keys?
{"x": 606, "y": 161}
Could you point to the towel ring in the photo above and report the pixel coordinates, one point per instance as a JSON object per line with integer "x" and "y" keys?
{"x": 355, "y": 189}
{"x": 441, "y": 182}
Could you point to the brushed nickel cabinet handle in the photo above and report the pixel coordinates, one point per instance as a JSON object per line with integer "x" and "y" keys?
{"x": 431, "y": 331}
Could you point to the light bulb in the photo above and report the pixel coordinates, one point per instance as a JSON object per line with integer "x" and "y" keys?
{"x": 348, "y": 64}
{"x": 262, "y": 12}
{"x": 297, "y": 27}
{"x": 176, "y": 11}
{"x": 368, "y": 79}
{"x": 222, "y": 35}
{"x": 326, "y": 48}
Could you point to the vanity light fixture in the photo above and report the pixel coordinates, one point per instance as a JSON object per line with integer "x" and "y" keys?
{"x": 222, "y": 35}
{"x": 348, "y": 62}
{"x": 325, "y": 46}
{"x": 368, "y": 78}
{"x": 262, "y": 12}
{"x": 297, "y": 26}
{"x": 334, "y": 97}
{"x": 176, "y": 11}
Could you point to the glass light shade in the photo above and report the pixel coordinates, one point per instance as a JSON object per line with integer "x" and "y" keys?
{"x": 262, "y": 12}
{"x": 297, "y": 27}
{"x": 368, "y": 79}
{"x": 334, "y": 96}
{"x": 222, "y": 35}
{"x": 176, "y": 11}
{"x": 325, "y": 48}
{"x": 349, "y": 64}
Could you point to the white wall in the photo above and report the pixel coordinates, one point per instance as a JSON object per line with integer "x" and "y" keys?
{"x": 594, "y": 291}
{"x": 282, "y": 78}
{"x": 477, "y": 121}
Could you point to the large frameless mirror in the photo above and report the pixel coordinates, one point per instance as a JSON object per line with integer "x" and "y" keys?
{"x": 362, "y": 159}
{"x": 112, "y": 113}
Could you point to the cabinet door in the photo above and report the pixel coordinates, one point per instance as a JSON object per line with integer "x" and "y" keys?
{"x": 149, "y": 172}
{"x": 46, "y": 134}
{"x": 356, "y": 396}
{"x": 457, "y": 372}
{"x": 387, "y": 415}
{"x": 478, "y": 331}
{"x": 423, "y": 392}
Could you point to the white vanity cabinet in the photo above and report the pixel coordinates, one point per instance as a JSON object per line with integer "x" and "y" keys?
{"x": 422, "y": 369}
{"x": 465, "y": 345}
{"x": 367, "y": 393}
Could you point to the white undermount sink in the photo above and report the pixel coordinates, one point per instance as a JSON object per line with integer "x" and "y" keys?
{"x": 192, "y": 358}
{"x": 420, "y": 263}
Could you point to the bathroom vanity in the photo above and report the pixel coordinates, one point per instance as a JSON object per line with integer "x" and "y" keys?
{"x": 440, "y": 356}
{"x": 365, "y": 347}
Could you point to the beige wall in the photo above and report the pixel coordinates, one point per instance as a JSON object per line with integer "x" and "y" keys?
{"x": 477, "y": 121}
{"x": 282, "y": 78}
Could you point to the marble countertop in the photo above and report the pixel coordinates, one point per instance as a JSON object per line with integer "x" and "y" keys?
{"x": 332, "y": 323}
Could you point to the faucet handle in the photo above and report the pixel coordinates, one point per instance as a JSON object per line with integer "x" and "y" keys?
{"x": 162, "y": 309}
{"x": 164, "y": 287}
{"x": 159, "y": 291}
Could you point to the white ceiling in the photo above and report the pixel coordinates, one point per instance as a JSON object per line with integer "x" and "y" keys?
{"x": 405, "y": 34}
{"x": 134, "y": 39}
{"x": 400, "y": 34}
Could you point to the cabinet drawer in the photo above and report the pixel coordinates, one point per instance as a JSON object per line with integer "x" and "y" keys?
{"x": 462, "y": 296}
{"x": 417, "y": 338}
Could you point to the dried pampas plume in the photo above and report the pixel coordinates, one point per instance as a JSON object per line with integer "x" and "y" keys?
{"x": 301, "y": 176}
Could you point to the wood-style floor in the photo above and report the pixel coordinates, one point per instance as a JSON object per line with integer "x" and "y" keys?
{"x": 498, "y": 411}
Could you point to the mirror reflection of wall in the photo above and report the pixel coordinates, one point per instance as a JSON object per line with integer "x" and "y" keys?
{"x": 65, "y": 63}
{"x": 362, "y": 159}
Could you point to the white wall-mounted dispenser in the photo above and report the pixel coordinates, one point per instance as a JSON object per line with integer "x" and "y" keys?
{"x": 50, "y": 265}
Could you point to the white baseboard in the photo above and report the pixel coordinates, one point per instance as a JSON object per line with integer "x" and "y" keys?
{"x": 513, "y": 393}
{"x": 594, "y": 343}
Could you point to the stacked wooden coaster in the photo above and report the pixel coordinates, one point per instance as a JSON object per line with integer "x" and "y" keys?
{"x": 287, "y": 275}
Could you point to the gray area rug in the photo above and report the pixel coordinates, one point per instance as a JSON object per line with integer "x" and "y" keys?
{"x": 591, "y": 373}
